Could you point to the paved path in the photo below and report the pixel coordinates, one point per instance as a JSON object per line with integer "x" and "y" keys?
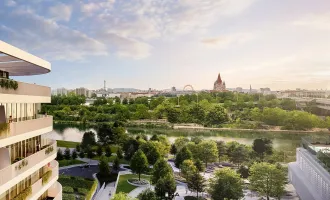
{"x": 134, "y": 193}
{"x": 108, "y": 192}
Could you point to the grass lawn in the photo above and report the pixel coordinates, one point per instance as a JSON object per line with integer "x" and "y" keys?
{"x": 111, "y": 159}
{"x": 67, "y": 144}
{"x": 69, "y": 162}
{"x": 75, "y": 187}
{"x": 124, "y": 186}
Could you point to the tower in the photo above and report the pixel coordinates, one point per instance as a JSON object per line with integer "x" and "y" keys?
{"x": 28, "y": 169}
{"x": 219, "y": 85}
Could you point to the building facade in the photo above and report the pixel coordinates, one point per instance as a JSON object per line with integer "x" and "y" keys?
{"x": 60, "y": 91}
{"x": 310, "y": 173}
{"x": 219, "y": 85}
{"x": 28, "y": 169}
{"x": 83, "y": 91}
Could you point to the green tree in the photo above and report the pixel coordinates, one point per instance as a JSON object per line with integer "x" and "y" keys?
{"x": 165, "y": 185}
{"x": 173, "y": 115}
{"x": 222, "y": 150}
{"x": 187, "y": 167}
{"x": 139, "y": 163}
{"x": 81, "y": 154}
{"x": 74, "y": 154}
{"x": 197, "y": 139}
{"x": 208, "y": 151}
{"x": 262, "y": 146}
{"x": 125, "y": 101}
{"x": 116, "y": 164}
{"x": 88, "y": 139}
{"x": 173, "y": 150}
{"x": 243, "y": 171}
{"x": 196, "y": 182}
{"x": 267, "y": 179}
{"x": 180, "y": 142}
{"x": 199, "y": 165}
{"x": 122, "y": 196}
{"x": 147, "y": 194}
{"x": 160, "y": 170}
{"x": 226, "y": 184}
{"x": 90, "y": 153}
{"x": 239, "y": 155}
{"x": 59, "y": 155}
{"x": 67, "y": 154}
{"x": 99, "y": 150}
{"x": 104, "y": 167}
{"x": 184, "y": 154}
{"x": 151, "y": 151}
{"x": 216, "y": 116}
{"x": 119, "y": 153}
{"x": 108, "y": 152}
{"x": 78, "y": 147}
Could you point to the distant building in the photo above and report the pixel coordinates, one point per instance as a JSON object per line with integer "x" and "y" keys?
{"x": 60, "y": 91}
{"x": 83, "y": 91}
{"x": 239, "y": 89}
{"x": 305, "y": 93}
{"x": 219, "y": 86}
{"x": 173, "y": 89}
{"x": 265, "y": 91}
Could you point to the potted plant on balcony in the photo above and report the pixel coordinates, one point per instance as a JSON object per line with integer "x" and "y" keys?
{"x": 8, "y": 84}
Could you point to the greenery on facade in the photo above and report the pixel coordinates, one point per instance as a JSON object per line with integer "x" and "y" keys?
{"x": 8, "y": 84}
{"x": 92, "y": 190}
{"x": 46, "y": 176}
{"x": 49, "y": 150}
{"x": 24, "y": 194}
{"x": 21, "y": 164}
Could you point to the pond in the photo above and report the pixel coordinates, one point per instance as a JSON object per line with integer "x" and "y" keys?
{"x": 287, "y": 142}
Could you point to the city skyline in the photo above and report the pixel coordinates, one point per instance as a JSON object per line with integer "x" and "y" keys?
{"x": 143, "y": 44}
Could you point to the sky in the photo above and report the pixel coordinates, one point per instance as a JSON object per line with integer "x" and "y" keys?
{"x": 281, "y": 44}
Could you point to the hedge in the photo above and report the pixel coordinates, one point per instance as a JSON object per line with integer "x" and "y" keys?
{"x": 82, "y": 191}
{"x": 68, "y": 196}
{"x": 68, "y": 189}
{"x": 91, "y": 191}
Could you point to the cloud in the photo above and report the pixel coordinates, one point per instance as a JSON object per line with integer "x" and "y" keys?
{"x": 226, "y": 40}
{"x": 10, "y": 3}
{"x": 61, "y": 12}
{"x": 47, "y": 37}
{"x": 92, "y": 7}
{"x": 315, "y": 21}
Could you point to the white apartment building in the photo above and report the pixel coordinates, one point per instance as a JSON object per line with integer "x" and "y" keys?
{"x": 310, "y": 173}
{"x": 83, "y": 91}
{"x": 60, "y": 91}
{"x": 28, "y": 169}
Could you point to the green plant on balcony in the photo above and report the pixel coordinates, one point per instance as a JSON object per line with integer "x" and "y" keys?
{"x": 24, "y": 194}
{"x": 8, "y": 84}
{"x": 49, "y": 150}
{"x": 4, "y": 127}
{"x": 46, "y": 177}
{"x": 22, "y": 164}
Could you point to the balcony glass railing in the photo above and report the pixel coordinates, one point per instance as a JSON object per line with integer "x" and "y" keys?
{"x": 25, "y": 125}
{"x": 18, "y": 168}
{"x": 320, "y": 149}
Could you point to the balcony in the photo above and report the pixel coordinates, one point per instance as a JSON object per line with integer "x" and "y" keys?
{"x": 55, "y": 191}
{"x": 12, "y": 174}
{"x": 53, "y": 187}
{"x": 25, "y": 126}
{"x": 28, "y": 90}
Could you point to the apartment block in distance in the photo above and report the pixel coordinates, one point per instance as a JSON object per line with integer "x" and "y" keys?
{"x": 28, "y": 169}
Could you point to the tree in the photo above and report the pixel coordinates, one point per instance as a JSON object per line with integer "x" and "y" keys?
{"x": 173, "y": 150}
{"x": 104, "y": 167}
{"x": 222, "y": 150}
{"x": 59, "y": 155}
{"x": 88, "y": 139}
{"x": 187, "y": 168}
{"x": 180, "y": 142}
{"x": 199, "y": 165}
{"x": 239, "y": 155}
{"x": 262, "y": 146}
{"x": 160, "y": 170}
{"x": 216, "y": 116}
{"x": 78, "y": 147}
{"x": 125, "y": 101}
{"x": 67, "y": 154}
{"x": 108, "y": 151}
{"x": 226, "y": 184}
{"x": 108, "y": 134}
{"x": 184, "y": 154}
{"x": 119, "y": 153}
{"x": 165, "y": 185}
{"x": 82, "y": 154}
{"x": 74, "y": 154}
{"x": 99, "y": 150}
{"x": 130, "y": 146}
{"x": 147, "y": 194}
{"x": 151, "y": 151}
{"x": 208, "y": 151}
{"x": 197, "y": 139}
{"x": 243, "y": 171}
{"x": 139, "y": 163}
{"x": 116, "y": 164}
{"x": 173, "y": 115}
{"x": 90, "y": 153}
{"x": 196, "y": 182}
{"x": 121, "y": 196}
{"x": 267, "y": 179}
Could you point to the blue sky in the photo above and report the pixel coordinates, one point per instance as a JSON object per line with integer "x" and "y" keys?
{"x": 162, "y": 43}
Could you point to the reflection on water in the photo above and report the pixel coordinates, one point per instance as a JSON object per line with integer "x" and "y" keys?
{"x": 74, "y": 134}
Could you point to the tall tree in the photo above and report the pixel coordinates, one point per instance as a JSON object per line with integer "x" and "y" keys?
{"x": 151, "y": 151}
{"x": 99, "y": 150}
{"x": 267, "y": 179}
{"x": 104, "y": 167}
{"x": 165, "y": 185}
{"x": 160, "y": 170}
{"x": 108, "y": 152}
{"x": 74, "y": 154}
{"x": 81, "y": 154}
{"x": 88, "y": 139}
{"x": 216, "y": 116}
{"x": 139, "y": 163}
{"x": 222, "y": 150}
{"x": 239, "y": 155}
{"x": 184, "y": 154}
{"x": 208, "y": 151}
{"x": 187, "y": 168}
{"x": 67, "y": 154}
{"x": 116, "y": 164}
{"x": 262, "y": 146}
{"x": 226, "y": 184}
{"x": 59, "y": 155}
{"x": 196, "y": 182}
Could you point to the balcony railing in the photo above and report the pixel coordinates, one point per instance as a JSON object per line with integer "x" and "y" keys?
{"x": 25, "y": 126}
{"x": 320, "y": 149}
{"x": 27, "y": 163}
{"x": 28, "y": 89}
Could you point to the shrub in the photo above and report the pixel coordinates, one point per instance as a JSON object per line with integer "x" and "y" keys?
{"x": 91, "y": 191}
{"x": 46, "y": 176}
{"x": 24, "y": 194}
{"x": 82, "y": 191}
{"x": 8, "y": 84}
{"x": 68, "y": 196}
{"x": 68, "y": 189}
